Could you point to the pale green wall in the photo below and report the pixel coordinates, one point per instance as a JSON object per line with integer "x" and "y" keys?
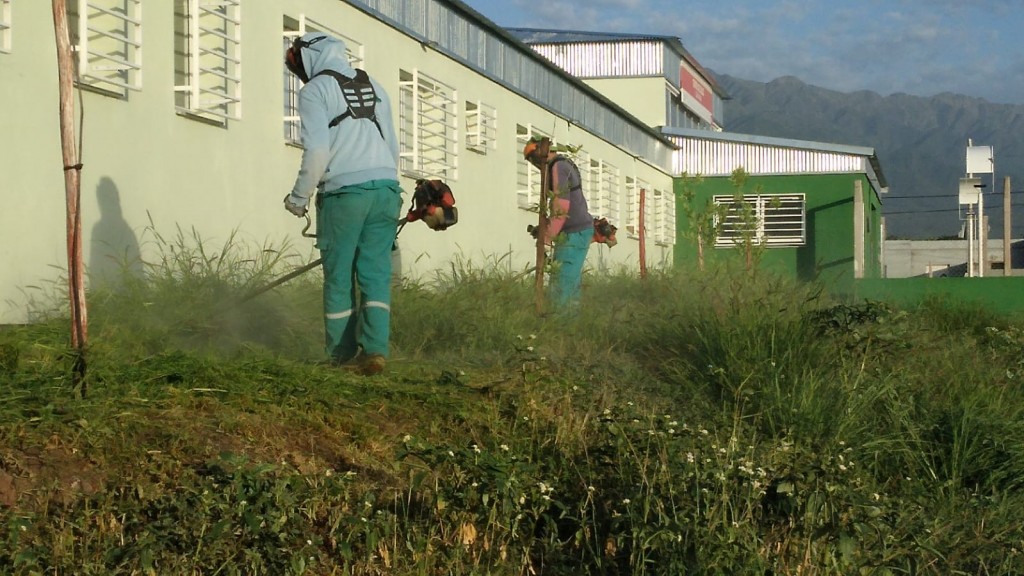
{"x": 641, "y": 97}
{"x": 144, "y": 161}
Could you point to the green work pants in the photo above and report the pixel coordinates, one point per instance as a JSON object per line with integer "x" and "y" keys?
{"x": 570, "y": 255}
{"x": 356, "y": 228}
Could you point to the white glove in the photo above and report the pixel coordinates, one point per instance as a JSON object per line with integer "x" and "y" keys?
{"x": 296, "y": 205}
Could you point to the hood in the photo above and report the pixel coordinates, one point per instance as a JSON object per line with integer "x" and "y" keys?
{"x": 325, "y": 53}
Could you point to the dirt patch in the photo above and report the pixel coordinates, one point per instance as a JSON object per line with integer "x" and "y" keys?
{"x": 54, "y": 471}
{"x": 8, "y": 493}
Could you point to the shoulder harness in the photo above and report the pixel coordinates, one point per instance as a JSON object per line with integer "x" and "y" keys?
{"x": 560, "y": 158}
{"x": 360, "y": 98}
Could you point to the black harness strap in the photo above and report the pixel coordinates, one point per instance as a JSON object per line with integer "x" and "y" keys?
{"x": 360, "y": 98}
{"x": 551, "y": 171}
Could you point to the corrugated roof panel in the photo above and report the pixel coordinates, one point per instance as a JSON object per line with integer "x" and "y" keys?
{"x": 606, "y": 59}
{"x": 720, "y": 158}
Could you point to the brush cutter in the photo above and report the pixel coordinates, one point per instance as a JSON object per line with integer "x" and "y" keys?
{"x": 297, "y": 272}
{"x": 433, "y": 203}
{"x": 301, "y": 270}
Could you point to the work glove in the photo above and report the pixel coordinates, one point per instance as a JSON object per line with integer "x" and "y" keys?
{"x": 296, "y": 205}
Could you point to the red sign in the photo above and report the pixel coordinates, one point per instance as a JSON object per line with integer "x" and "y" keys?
{"x": 692, "y": 85}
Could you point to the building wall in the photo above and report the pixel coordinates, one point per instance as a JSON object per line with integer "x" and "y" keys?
{"x": 827, "y": 255}
{"x": 993, "y": 294}
{"x": 641, "y": 97}
{"x": 946, "y": 258}
{"x": 149, "y": 171}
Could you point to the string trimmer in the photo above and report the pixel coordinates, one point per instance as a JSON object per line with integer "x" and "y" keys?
{"x": 433, "y": 203}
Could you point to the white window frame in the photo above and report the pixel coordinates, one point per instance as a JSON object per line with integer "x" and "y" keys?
{"x": 6, "y": 26}
{"x": 590, "y": 174}
{"x": 481, "y": 126}
{"x": 107, "y": 43}
{"x": 213, "y": 60}
{"x": 781, "y": 220}
{"x": 429, "y": 127}
{"x": 527, "y": 176}
{"x": 607, "y": 200}
{"x": 633, "y": 188}
{"x": 664, "y": 218}
{"x": 296, "y": 28}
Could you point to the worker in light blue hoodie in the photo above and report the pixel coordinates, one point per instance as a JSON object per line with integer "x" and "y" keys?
{"x": 350, "y": 156}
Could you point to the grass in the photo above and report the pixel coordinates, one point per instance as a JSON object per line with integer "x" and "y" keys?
{"x": 713, "y": 423}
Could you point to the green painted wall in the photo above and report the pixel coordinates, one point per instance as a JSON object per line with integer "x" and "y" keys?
{"x": 1003, "y": 295}
{"x": 827, "y": 256}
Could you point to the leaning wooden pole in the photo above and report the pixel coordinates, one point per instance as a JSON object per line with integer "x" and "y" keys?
{"x": 542, "y": 227}
{"x": 72, "y": 191}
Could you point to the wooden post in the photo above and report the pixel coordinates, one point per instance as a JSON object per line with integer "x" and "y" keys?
{"x": 543, "y": 149}
{"x": 643, "y": 234}
{"x": 1007, "y": 230}
{"x": 72, "y": 191}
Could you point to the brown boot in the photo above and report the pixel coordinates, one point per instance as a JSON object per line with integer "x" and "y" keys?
{"x": 365, "y": 364}
{"x": 372, "y": 364}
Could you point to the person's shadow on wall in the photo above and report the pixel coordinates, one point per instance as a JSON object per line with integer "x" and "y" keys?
{"x": 114, "y": 253}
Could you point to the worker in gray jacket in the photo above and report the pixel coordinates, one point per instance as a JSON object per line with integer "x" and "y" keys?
{"x": 350, "y": 156}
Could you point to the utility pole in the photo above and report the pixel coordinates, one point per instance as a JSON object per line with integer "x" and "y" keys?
{"x": 970, "y": 240}
{"x": 981, "y": 160}
{"x": 72, "y": 191}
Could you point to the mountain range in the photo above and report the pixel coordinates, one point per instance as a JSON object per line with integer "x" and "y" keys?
{"x": 921, "y": 144}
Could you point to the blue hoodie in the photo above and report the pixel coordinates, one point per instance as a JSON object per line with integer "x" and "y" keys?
{"x": 352, "y": 152}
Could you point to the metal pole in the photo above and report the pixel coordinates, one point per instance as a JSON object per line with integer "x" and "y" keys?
{"x": 970, "y": 240}
{"x": 982, "y": 233}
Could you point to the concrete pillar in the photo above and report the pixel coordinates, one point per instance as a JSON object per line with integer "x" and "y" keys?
{"x": 1007, "y": 256}
{"x": 858, "y": 229}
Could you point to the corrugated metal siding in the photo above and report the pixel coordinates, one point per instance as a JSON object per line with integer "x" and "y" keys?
{"x": 606, "y": 59}
{"x": 516, "y": 68}
{"x": 718, "y": 158}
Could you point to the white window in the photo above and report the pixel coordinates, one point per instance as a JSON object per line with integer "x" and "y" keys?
{"x": 294, "y": 28}
{"x": 590, "y": 173}
{"x": 606, "y": 201}
{"x": 481, "y": 126}
{"x": 664, "y": 223}
{"x": 106, "y": 36}
{"x": 429, "y": 127}
{"x": 5, "y": 25}
{"x": 633, "y": 188}
{"x": 527, "y": 176}
{"x": 775, "y": 220}
{"x": 208, "y": 59}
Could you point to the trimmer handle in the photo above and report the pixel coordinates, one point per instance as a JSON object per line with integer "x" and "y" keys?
{"x": 305, "y": 229}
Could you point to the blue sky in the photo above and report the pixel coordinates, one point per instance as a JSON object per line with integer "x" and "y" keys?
{"x": 919, "y": 47}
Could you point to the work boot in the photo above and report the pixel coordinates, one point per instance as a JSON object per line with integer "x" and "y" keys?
{"x": 372, "y": 364}
{"x": 365, "y": 364}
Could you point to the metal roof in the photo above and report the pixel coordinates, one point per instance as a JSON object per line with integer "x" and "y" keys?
{"x": 546, "y": 36}
{"x": 454, "y": 29}
{"x": 789, "y": 157}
